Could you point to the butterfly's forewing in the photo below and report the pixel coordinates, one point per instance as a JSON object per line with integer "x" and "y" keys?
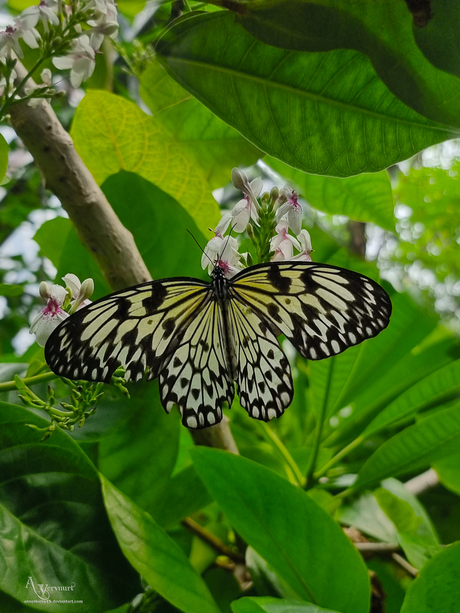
{"x": 196, "y": 377}
{"x": 264, "y": 381}
{"x": 321, "y": 309}
{"x": 136, "y": 328}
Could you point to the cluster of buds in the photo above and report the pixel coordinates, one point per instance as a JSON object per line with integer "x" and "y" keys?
{"x": 267, "y": 219}
{"x": 71, "y": 33}
{"x": 60, "y": 303}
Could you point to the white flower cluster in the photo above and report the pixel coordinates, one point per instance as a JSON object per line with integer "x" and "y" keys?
{"x": 223, "y": 250}
{"x": 72, "y": 297}
{"x": 66, "y": 18}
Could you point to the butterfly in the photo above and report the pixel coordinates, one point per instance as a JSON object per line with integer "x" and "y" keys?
{"x": 199, "y": 338}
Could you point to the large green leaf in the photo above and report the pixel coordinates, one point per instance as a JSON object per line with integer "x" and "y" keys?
{"x": 382, "y": 30}
{"x": 416, "y": 533}
{"x": 324, "y": 113}
{"x": 437, "y": 588}
{"x": 433, "y": 390}
{"x": 385, "y": 367}
{"x": 126, "y": 457}
{"x": 300, "y": 541}
{"x": 54, "y": 526}
{"x": 113, "y": 134}
{"x": 214, "y": 146}
{"x": 263, "y": 604}
{"x": 183, "y": 495}
{"x": 434, "y": 437}
{"x": 366, "y": 197}
{"x": 159, "y": 560}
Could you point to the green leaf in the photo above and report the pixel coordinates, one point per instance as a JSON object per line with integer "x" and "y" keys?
{"x": 415, "y": 531}
{"x": 264, "y": 604}
{"x": 437, "y": 587}
{"x": 11, "y": 291}
{"x": 439, "y": 38}
{"x": 384, "y": 368}
{"x": 163, "y": 241}
{"x": 431, "y": 391}
{"x": 434, "y": 437}
{"x": 448, "y": 471}
{"x": 184, "y": 495}
{"x": 214, "y": 146}
{"x": 366, "y": 197}
{"x": 323, "y": 113}
{"x": 54, "y": 525}
{"x": 298, "y": 539}
{"x": 52, "y": 236}
{"x": 383, "y": 31}
{"x": 3, "y": 157}
{"x": 113, "y": 134}
{"x": 366, "y": 515}
{"x": 126, "y": 458}
{"x": 399, "y": 511}
{"x": 159, "y": 560}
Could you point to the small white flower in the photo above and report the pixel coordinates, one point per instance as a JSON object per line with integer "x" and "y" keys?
{"x": 223, "y": 224}
{"x": 283, "y": 243}
{"x": 45, "y": 12}
{"x": 51, "y": 316}
{"x": 81, "y": 61}
{"x": 305, "y": 242}
{"x": 290, "y": 208}
{"x": 46, "y": 77}
{"x": 9, "y": 41}
{"x": 99, "y": 31}
{"x": 79, "y": 292}
{"x": 223, "y": 252}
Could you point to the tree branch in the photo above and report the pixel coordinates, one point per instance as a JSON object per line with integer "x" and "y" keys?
{"x": 96, "y": 223}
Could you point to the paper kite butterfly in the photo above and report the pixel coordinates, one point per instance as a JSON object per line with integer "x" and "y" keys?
{"x": 199, "y": 338}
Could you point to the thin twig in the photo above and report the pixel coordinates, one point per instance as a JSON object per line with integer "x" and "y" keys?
{"x": 405, "y": 564}
{"x": 212, "y": 540}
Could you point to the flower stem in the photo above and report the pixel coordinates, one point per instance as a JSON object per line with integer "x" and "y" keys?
{"x": 9, "y": 386}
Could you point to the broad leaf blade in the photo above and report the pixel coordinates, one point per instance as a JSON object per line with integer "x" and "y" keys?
{"x": 346, "y": 121}
{"x": 434, "y": 437}
{"x": 55, "y": 528}
{"x": 159, "y": 560}
{"x": 214, "y": 145}
{"x": 437, "y": 588}
{"x": 275, "y": 605}
{"x": 113, "y": 134}
{"x": 299, "y": 540}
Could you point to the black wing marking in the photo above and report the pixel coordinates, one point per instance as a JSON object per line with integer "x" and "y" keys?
{"x": 264, "y": 381}
{"x": 321, "y": 309}
{"x": 136, "y": 328}
{"x": 196, "y": 376}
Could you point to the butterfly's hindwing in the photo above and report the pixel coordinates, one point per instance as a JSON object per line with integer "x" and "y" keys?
{"x": 264, "y": 381}
{"x": 320, "y": 308}
{"x": 196, "y": 377}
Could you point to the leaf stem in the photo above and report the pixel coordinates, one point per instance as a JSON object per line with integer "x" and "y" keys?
{"x": 342, "y": 453}
{"x": 9, "y": 386}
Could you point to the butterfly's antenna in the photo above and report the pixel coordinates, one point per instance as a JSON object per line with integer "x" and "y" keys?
{"x": 226, "y": 242}
{"x": 200, "y": 247}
